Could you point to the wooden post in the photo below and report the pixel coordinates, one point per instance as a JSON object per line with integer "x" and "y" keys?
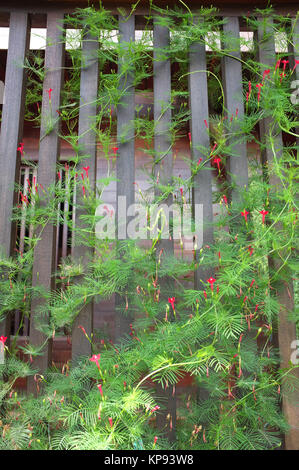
{"x": 11, "y": 133}
{"x": 202, "y": 187}
{"x": 166, "y": 420}
{"x": 286, "y": 329}
{"x": 87, "y": 141}
{"x": 125, "y": 164}
{"x": 233, "y": 90}
{"x": 45, "y": 249}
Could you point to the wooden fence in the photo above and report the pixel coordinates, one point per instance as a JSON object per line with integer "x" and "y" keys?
{"x": 53, "y": 242}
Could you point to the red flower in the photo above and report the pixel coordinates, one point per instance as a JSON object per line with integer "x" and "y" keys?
{"x": 155, "y": 439}
{"x": 248, "y": 93}
{"x": 277, "y": 64}
{"x": 282, "y": 75}
{"x": 100, "y": 389}
{"x": 115, "y": 149}
{"x": 189, "y": 136}
{"x": 95, "y": 358}
{"x": 244, "y": 214}
{"x": 49, "y": 93}
{"x": 59, "y": 175}
{"x": 252, "y": 282}
{"x": 205, "y": 294}
{"x": 266, "y": 72}
{"x": 217, "y": 160}
{"x": 199, "y": 161}
{"x": 224, "y": 199}
{"x": 3, "y": 339}
{"x": 86, "y": 168}
{"x": 264, "y": 213}
{"x": 215, "y": 145}
{"x": 296, "y": 63}
{"x": 211, "y": 281}
{"x": 206, "y": 124}
{"x": 171, "y": 300}
{"x": 83, "y": 190}
{"x": 20, "y": 148}
{"x": 250, "y": 250}
{"x": 110, "y": 422}
{"x": 155, "y": 409}
{"x": 285, "y": 62}
{"x": 182, "y": 191}
{"x": 259, "y": 86}
{"x": 83, "y": 329}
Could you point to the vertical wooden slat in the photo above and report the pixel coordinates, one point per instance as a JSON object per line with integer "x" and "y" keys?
{"x": 45, "y": 250}
{"x": 11, "y": 132}
{"x": 233, "y": 90}
{"x": 295, "y": 51}
{"x": 125, "y": 166}
{"x": 66, "y": 212}
{"x": 87, "y": 142}
{"x": 202, "y": 187}
{"x": 163, "y": 172}
{"x": 286, "y": 329}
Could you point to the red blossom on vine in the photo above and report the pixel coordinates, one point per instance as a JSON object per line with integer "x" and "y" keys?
{"x": 264, "y": 213}
{"x": 100, "y": 389}
{"x": 266, "y": 73}
{"x": 285, "y": 62}
{"x": 259, "y": 86}
{"x": 3, "y": 339}
{"x": 277, "y": 64}
{"x": 49, "y": 93}
{"x": 211, "y": 281}
{"x": 206, "y": 124}
{"x": 171, "y": 300}
{"x": 20, "y": 148}
{"x": 296, "y": 63}
{"x": 95, "y": 358}
{"x": 217, "y": 160}
{"x": 245, "y": 214}
{"x": 86, "y": 168}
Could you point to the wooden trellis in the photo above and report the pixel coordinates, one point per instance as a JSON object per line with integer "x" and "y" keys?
{"x": 20, "y": 20}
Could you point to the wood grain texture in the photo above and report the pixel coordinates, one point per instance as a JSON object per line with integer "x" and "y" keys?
{"x": 11, "y": 134}
{"x": 87, "y": 142}
{"x": 286, "y": 329}
{"x": 125, "y": 165}
{"x": 202, "y": 189}
{"x": 233, "y": 90}
{"x": 45, "y": 250}
{"x": 163, "y": 172}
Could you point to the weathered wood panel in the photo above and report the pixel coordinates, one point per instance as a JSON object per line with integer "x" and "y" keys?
{"x": 87, "y": 141}
{"x": 286, "y": 330}
{"x": 125, "y": 165}
{"x": 202, "y": 189}
{"x": 233, "y": 90}
{"x": 166, "y": 419}
{"x": 11, "y": 133}
{"x": 45, "y": 250}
